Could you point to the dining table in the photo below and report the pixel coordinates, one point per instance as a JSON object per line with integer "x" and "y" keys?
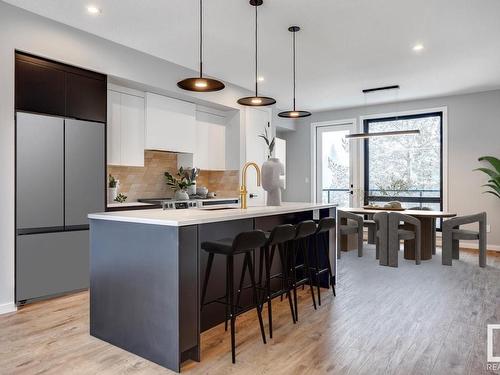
{"x": 427, "y": 220}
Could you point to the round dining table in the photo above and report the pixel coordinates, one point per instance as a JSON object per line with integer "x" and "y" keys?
{"x": 427, "y": 231}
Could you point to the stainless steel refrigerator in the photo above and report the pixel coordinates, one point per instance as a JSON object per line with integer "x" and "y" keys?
{"x": 60, "y": 178}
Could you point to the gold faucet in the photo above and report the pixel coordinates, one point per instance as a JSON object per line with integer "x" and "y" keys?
{"x": 243, "y": 188}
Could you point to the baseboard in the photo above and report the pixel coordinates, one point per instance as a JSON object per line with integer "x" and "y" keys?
{"x": 466, "y": 245}
{"x": 7, "y": 308}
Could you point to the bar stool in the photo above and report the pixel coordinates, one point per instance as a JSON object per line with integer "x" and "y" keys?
{"x": 278, "y": 238}
{"x": 324, "y": 226}
{"x": 303, "y": 231}
{"x": 243, "y": 243}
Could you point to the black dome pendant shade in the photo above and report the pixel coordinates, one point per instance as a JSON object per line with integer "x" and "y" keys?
{"x": 201, "y": 84}
{"x": 256, "y": 101}
{"x": 294, "y": 113}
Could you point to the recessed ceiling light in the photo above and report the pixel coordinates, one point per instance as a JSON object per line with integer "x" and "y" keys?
{"x": 260, "y": 79}
{"x": 418, "y": 47}
{"x": 92, "y": 9}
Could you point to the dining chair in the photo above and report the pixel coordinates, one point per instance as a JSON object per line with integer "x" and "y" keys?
{"x": 349, "y": 223}
{"x": 396, "y": 234}
{"x": 372, "y": 230}
{"x": 452, "y": 234}
{"x": 381, "y": 236}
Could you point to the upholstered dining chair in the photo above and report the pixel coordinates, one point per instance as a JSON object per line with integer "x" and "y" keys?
{"x": 352, "y": 224}
{"x": 452, "y": 234}
{"x": 381, "y": 236}
{"x": 396, "y": 234}
{"x": 372, "y": 230}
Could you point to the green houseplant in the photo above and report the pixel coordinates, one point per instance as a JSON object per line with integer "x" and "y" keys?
{"x": 179, "y": 183}
{"x": 493, "y": 174}
{"x": 269, "y": 142}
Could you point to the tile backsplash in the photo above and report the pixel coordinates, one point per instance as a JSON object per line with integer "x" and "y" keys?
{"x": 149, "y": 181}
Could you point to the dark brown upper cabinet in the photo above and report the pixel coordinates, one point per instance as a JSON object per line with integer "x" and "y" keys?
{"x": 39, "y": 88}
{"x": 85, "y": 98}
{"x": 45, "y": 86}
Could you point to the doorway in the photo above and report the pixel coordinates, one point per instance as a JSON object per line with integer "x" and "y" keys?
{"x": 336, "y": 166}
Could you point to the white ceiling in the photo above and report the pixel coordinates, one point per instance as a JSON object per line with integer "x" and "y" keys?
{"x": 344, "y": 46}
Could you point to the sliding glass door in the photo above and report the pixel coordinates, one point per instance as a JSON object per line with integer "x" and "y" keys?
{"x": 408, "y": 168}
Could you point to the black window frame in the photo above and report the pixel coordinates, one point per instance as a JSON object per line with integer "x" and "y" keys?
{"x": 416, "y": 200}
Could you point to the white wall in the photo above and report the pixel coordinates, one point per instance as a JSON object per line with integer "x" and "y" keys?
{"x": 473, "y": 131}
{"x": 31, "y": 33}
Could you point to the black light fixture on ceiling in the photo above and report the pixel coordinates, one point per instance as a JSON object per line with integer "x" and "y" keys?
{"x": 391, "y": 133}
{"x": 201, "y": 84}
{"x": 256, "y": 101}
{"x": 382, "y": 134}
{"x": 294, "y": 113}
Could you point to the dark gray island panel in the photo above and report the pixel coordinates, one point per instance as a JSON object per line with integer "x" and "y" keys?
{"x": 135, "y": 285}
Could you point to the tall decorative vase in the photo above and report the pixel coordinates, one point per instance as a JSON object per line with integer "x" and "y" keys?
{"x": 272, "y": 169}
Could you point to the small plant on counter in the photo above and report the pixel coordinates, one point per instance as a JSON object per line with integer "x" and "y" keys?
{"x": 121, "y": 198}
{"x": 270, "y": 143}
{"x": 181, "y": 181}
{"x": 112, "y": 181}
{"x": 493, "y": 173}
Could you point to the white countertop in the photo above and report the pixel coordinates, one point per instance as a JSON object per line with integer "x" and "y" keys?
{"x": 194, "y": 216}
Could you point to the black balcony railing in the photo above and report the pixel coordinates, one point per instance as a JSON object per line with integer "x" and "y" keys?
{"x": 419, "y": 197}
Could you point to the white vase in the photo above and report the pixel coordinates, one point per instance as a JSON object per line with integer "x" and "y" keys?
{"x": 181, "y": 195}
{"x": 191, "y": 190}
{"x": 112, "y": 193}
{"x": 272, "y": 169}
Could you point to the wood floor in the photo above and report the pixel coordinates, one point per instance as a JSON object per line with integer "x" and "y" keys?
{"x": 427, "y": 319}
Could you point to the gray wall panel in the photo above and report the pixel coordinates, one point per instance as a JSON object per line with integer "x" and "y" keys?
{"x": 84, "y": 170}
{"x": 51, "y": 263}
{"x": 39, "y": 171}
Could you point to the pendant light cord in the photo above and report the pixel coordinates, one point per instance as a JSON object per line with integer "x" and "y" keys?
{"x": 294, "y": 70}
{"x": 201, "y": 38}
{"x": 256, "y": 53}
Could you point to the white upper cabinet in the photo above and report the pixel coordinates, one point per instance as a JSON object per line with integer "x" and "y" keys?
{"x": 210, "y": 153}
{"x": 125, "y": 129}
{"x": 170, "y": 124}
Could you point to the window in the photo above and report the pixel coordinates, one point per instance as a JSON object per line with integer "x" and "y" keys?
{"x": 407, "y": 168}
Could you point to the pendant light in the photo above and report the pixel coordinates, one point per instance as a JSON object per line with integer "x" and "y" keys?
{"x": 256, "y": 101}
{"x": 201, "y": 84}
{"x": 294, "y": 113}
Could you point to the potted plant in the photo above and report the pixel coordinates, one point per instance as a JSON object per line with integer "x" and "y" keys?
{"x": 493, "y": 174}
{"x": 179, "y": 184}
{"x": 112, "y": 188}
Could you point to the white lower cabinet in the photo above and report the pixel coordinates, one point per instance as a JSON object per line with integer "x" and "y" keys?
{"x": 125, "y": 129}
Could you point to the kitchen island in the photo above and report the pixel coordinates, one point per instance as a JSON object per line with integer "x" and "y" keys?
{"x": 146, "y": 268}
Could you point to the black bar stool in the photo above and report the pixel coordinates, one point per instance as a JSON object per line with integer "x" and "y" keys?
{"x": 303, "y": 231}
{"x": 243, "y": 243}
{"x": 324, "y": 226}
{"x": 278, "y": 238}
